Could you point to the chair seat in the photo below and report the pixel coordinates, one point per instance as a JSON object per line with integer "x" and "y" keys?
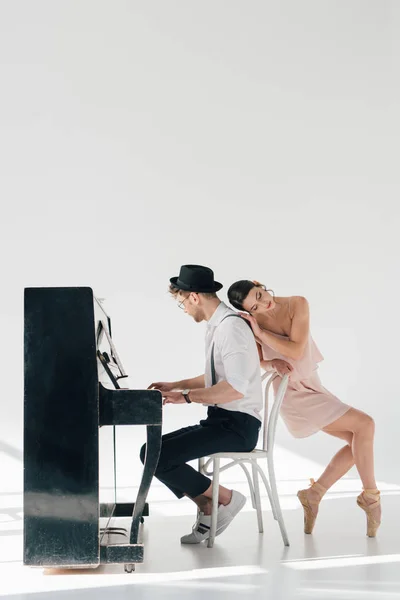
{"x": 254, "y": 454}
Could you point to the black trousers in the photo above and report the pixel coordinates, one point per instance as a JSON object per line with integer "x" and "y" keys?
{"x": 222, "y": 431}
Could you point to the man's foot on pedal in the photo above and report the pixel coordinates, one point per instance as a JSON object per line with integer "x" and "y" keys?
{"x": 200, "y": 530}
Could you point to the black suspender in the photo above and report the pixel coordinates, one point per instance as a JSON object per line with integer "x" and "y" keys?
{"x": 213, "y": 376}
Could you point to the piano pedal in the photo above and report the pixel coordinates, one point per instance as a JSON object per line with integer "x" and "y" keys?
{"x": 129, "y": 568}
{"x": 114, "y": 531}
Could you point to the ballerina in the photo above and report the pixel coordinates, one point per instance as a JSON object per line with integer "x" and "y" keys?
{"x": 282, "y": 332}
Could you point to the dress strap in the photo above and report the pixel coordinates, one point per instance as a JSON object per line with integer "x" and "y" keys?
{"x": 290, "y": 307}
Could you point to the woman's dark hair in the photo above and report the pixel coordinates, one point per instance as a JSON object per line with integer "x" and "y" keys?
{"x": 239, "y": 291}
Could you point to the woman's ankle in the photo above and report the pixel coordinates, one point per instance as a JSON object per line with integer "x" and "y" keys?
{"x": 370, "y": 495}
{"x": 319, "y": 487}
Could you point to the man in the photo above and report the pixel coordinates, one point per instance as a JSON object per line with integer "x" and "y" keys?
{"x": 230, "y": 387}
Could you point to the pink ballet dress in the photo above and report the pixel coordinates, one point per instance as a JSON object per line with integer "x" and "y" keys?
{"x": 307, "y": 406}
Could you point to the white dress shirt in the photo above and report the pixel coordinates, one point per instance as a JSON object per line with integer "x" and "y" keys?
{"x": 236, "y": 360}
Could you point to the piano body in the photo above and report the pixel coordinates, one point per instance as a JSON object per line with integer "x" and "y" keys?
{"x": 65, "y": 405}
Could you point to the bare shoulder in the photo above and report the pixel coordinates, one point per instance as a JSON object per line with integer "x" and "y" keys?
{"x": 298, "y": 305}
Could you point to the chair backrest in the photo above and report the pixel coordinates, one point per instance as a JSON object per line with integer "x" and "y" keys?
{"x": 270, "y": 420}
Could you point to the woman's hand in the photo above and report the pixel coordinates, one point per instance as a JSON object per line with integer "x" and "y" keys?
{"x": 254, "y": 325}
{"x": 281, "y": 367}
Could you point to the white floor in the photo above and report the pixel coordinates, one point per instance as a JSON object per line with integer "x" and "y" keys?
{"x": 338, "y": 560}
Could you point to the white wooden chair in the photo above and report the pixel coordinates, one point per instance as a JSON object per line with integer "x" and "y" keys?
{"x": 252, "y": 458}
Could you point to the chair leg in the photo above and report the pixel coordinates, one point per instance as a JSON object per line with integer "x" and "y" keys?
{"x": 200, "y": 469}
{"x": 274, "y": 491}
{"x": 268, "y": 488}
{"x": 215, "y": 496}
{"x": 249, "y": 481}
{"x": 270, "y": 498}
{"x": 257, "y": 496}
{"x": 201, "y": 464}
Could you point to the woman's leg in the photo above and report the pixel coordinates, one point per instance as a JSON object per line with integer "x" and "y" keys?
{"x": 357, "y": 428}
{"x": 362, "y": 427}
{"x": 340, "y": 464}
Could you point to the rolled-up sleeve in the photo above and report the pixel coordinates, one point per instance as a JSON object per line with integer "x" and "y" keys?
{"x": 234, "y": 347}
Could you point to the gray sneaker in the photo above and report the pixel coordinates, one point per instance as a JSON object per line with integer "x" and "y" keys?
{"x": 225, "y": 515}
{"x": 200, "y": 530}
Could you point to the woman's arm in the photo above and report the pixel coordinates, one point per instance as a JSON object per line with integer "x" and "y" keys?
{"x": 264, "y": 364}
{"x": 293, "y": 347}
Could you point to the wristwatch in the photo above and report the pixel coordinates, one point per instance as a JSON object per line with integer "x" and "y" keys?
{"x": 185, "y": 394}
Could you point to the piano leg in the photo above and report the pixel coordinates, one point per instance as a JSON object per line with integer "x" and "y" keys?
{"x": 129, "y": 568}
{"x": 153, "y": 449}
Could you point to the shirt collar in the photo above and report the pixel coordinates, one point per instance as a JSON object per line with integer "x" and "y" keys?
{"x": 219, "y": 314}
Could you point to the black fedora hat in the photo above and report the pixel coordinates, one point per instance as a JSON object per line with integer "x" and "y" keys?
{"x": 195, "y": 278}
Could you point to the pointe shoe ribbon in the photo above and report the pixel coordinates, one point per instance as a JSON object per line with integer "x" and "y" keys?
{"x": 318, "y": 488}
{"x": 371, "y": 494}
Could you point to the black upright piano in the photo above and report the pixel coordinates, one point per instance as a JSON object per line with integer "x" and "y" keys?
{"x": 67, "y": 344}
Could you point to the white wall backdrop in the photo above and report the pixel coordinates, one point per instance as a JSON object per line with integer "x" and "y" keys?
{"x": 259, "y": 138}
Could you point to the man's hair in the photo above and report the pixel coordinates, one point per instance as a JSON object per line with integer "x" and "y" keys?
{"x": 174, "y": 291}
